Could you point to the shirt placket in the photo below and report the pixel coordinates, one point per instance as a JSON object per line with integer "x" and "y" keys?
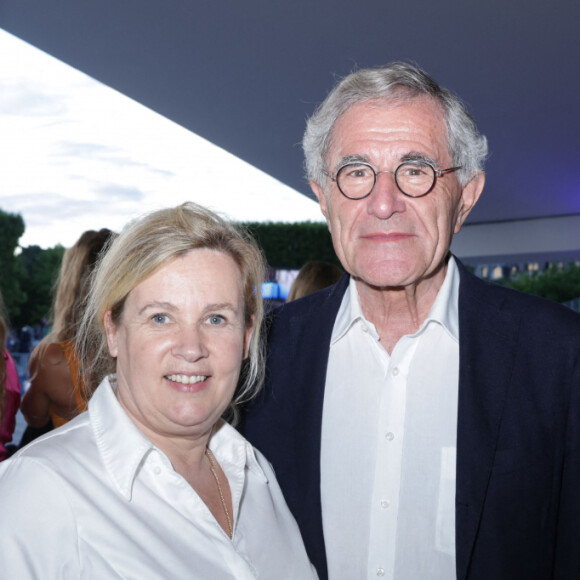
{"x": 388, "y": 462}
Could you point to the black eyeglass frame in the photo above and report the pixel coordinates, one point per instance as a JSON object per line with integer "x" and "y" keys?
{"x": 436, "y": 173}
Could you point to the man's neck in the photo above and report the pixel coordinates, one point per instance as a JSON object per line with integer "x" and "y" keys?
{"x": 396, "y": 312}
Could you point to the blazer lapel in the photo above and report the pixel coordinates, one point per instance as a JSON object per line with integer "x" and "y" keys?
{"x": 486, "y": 357}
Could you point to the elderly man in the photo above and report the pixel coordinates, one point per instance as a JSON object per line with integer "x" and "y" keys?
{"x": 423, "y": 424}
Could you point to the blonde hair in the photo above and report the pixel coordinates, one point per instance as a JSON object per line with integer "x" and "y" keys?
{"x": 73, "y": 282}
{"x": 144, "y": 246}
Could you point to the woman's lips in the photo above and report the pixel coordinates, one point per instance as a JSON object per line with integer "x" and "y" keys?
{"x": 186, "y": 379}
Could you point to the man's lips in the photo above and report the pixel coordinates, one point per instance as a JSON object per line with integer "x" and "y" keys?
{"x": 386, "y": 236}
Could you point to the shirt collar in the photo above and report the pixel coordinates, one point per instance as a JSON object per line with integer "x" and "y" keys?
{"x": 230, "y": 447}
{"x": 445, "y": 309}
{"x": 124, "y": 448}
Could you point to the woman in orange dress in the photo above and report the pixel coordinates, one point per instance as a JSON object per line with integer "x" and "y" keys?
{"x": 56, "y": 392}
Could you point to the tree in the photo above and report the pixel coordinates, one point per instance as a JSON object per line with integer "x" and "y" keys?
{"x": 290, "y": 246}
{"x": 40, "y": 270}
{"x": 559, "y": 284}
{"x": 11, "y": 230}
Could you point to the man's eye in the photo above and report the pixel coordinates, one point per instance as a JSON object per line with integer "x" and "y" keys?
{"x": 357, "y": 172}
{"x": 160, "y": 318}
{"x": 414, "y": 171}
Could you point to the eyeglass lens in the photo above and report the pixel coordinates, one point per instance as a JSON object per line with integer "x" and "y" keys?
{"x": 356, "y": 180}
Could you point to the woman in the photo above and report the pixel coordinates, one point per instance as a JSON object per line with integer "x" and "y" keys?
{"x": 313, "y": 276}
{"x": 55, "y": 393}
{"x": 9, "y": 390}
{"x": 151, "y": 482}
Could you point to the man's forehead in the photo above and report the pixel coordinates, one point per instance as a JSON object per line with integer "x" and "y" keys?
{"x": 424, "y": 110}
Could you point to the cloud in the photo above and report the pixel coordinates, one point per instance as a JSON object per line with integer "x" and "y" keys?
{"x": 113, "y": 192}
{"x": 25, "y": 98}
{"x": 79, "y": 149}
{"x": 77, "y": 155}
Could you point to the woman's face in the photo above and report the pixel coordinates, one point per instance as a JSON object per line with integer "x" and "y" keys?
{"x": 179, "y": 345}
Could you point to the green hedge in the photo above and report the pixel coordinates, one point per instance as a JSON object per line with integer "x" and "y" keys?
{"x": 290, "y": 245}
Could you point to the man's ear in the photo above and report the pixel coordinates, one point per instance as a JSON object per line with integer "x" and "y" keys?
{"x": 111, "y": 332}
{"x": 319, "y": 193}
{"x": 469, "y": 197}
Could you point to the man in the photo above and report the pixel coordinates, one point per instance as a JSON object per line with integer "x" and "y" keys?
{"x": 423, "y": 424}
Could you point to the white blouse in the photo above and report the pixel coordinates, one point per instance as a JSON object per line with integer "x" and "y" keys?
{"x": 96, "y": 499}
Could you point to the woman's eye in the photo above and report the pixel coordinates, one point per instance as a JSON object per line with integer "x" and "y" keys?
{"x": 216, "y": 319}
{"x": 160, "y": 318}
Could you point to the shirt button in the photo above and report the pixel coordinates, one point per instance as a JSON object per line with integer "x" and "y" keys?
{"x": 380, "y": 572}
{"x": 389, "y": 436}
{"x": 385, "y": 503}
{"x": 396, "y": 371}
{"x": 157, "y": 470}
{"x": 365, "y": 328}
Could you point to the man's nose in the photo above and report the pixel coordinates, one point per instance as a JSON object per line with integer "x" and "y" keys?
{"x": 386, "y": 199}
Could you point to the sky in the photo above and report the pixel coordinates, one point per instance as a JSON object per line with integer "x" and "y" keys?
{"x": 77, "y": 155}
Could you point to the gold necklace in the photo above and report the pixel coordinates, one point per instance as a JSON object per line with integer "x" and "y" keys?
{"x": 212, "y": 468}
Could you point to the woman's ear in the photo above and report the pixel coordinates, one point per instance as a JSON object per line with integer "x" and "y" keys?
{"x": 111, "y": 332}
{"x": 248, "y": 337}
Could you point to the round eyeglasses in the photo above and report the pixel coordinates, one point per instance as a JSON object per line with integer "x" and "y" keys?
{"x": 357, "y": 179}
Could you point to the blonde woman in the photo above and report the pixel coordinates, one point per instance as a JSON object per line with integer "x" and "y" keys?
{"x": 152, "y": 482}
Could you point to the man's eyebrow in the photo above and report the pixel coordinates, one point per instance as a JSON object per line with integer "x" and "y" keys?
{"x": 416, "y": 156}
{"x": 354, "y": 158}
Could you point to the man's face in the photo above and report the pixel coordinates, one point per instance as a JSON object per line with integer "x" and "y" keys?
{"x": 388, "y": 239}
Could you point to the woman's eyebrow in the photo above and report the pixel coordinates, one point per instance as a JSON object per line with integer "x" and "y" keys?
{"x": 155, "y": 305}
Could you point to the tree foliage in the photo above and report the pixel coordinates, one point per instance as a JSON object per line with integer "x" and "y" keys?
{"x": 39, "y": 273}
{"x": 11, "y": 229}
{"x": 559, "y": 284}
{"x": 291, "y": 245}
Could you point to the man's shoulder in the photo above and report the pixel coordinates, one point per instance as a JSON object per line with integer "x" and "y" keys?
{"x": 534, "y": 310}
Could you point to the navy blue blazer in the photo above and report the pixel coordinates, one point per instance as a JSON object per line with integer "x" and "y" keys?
{"x": 518, "y": 434}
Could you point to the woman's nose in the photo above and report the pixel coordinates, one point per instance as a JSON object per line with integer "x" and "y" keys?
{"x": 190, "y": 344}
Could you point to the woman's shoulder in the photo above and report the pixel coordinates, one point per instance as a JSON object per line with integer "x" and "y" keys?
{"x": 59, "y": 450}
{"x": 48, "y": 353}
{"x": 54, "y": 354}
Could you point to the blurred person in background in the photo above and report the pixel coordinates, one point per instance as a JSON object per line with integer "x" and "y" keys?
{"x": 9, "y": 389}
{"x": 56, "y": 394}
{"x": 313, "y": 276}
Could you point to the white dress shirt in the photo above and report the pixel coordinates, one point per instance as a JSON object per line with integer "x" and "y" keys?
{"x": 389, "y": 438}
{"x": 96, "y": 499}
